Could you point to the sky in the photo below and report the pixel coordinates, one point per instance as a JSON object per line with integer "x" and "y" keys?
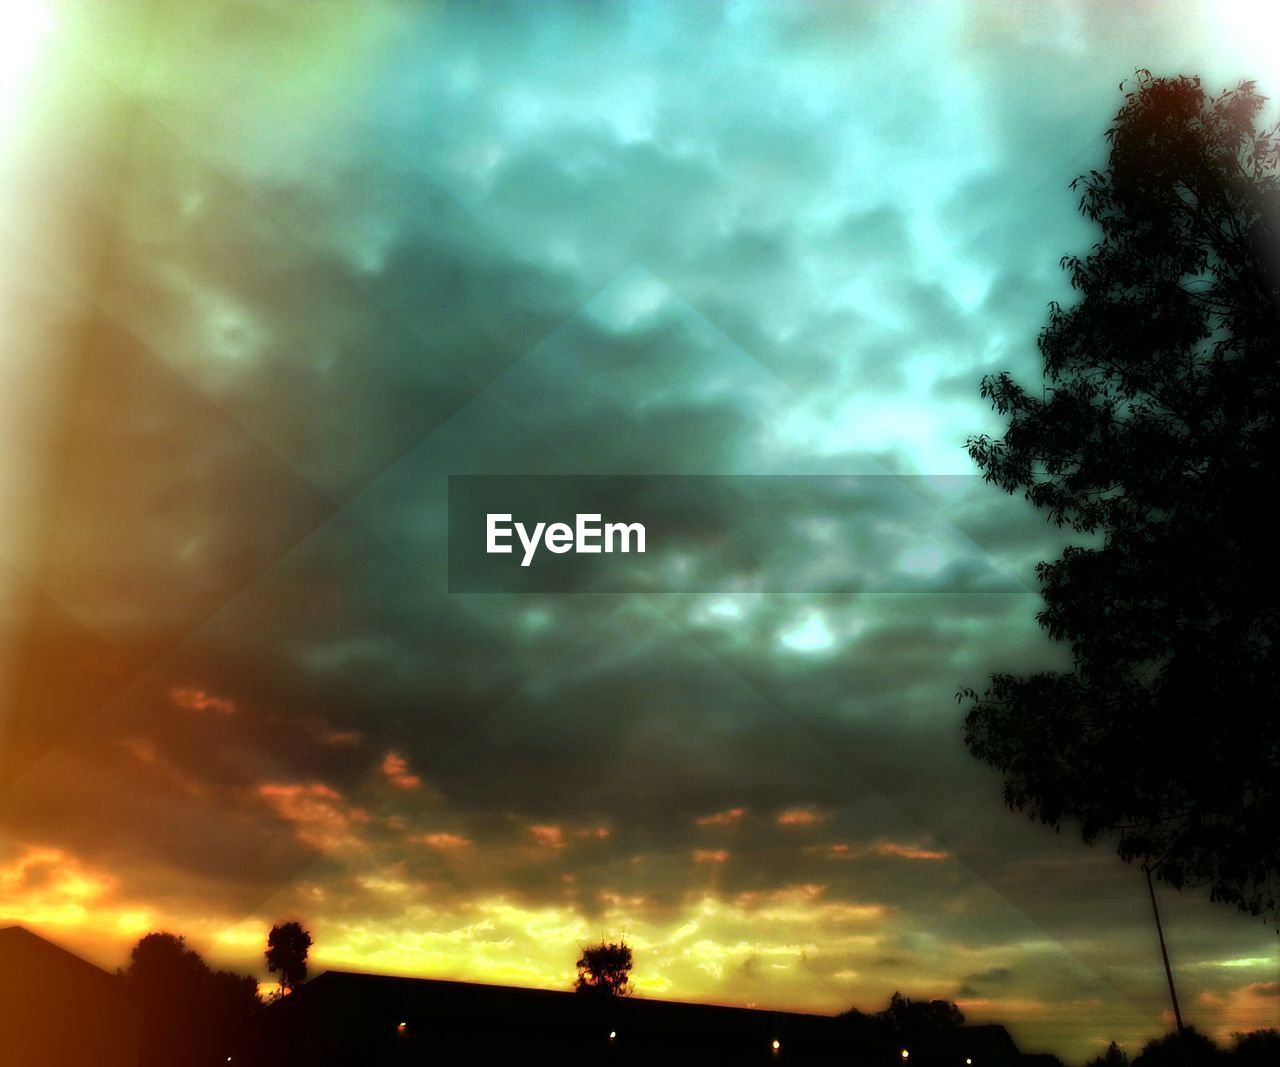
{"x": 274, "y": 272}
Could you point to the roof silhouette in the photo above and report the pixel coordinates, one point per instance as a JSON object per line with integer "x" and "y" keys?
{"x": 58, "y": 1009}
{"x": 345, "y": 1017}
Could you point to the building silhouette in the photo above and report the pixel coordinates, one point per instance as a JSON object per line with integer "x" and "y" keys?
{"x": 58, "y": 1010}
{"x": 342, "y": 1018}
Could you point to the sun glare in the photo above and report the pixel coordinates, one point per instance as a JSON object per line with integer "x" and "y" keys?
{"x": 23, "y": 30}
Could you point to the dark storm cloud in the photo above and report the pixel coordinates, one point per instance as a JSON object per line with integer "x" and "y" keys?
{"x": 584, "y": 241}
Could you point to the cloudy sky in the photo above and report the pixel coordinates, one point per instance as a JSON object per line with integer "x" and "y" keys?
{"x": 274, "y": 272}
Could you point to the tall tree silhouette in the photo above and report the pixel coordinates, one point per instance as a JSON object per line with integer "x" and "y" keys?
{"x": 1115, "y": 1056}
{"x": 287, "y": 948}
{"x": 605, "y": 969}
{"x": 1155, "y": 430}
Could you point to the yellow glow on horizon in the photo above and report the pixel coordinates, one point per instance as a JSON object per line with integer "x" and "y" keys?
{"x": 134, "y": 923}
{"x": 692, "y": 950}
{"x": 51, "y": 915}
{"x": 47, "y": 885}
{"x": 752, "y": 947}
{"x": 247, "y": 934}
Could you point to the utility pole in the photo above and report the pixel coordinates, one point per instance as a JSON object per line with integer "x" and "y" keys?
{"x": 1168, "y": 971}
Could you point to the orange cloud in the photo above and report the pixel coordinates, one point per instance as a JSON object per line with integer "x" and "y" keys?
{"x": 319, "y": 814}
{"x": 909, "y": 852}
{"x": 194, "y": 699}
{"x": 597, "y": 832}
{"x": 799, "y": 817}
{"x": 143, "y": 750}
{"x": 443, "y": 841}
{"x": 1248, "y": 1007}
{"x": 49, "y": 885}
{"x": 396, "y": 768}
{"x": 547, "y": 836}
{"x": 721, "y": 818}
{"x": 710, "y": 855}
{"x": 842, "y": 851}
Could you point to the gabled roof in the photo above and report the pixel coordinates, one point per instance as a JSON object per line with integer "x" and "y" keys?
{"x": 34, "y": 959}
{"x": 462, "y": 1003}
{"x": 57, "y": 1009}
{"x": 343, "y": 1017}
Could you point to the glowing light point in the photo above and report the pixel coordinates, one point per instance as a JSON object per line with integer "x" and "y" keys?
{"x": 777, "y": 1045}
{"x": 401, "y": 1027}
{"x": 905, "y": 1053}
{"x": 613, "y": 1034}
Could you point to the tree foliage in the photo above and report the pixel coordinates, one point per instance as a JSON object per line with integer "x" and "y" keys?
{"x": 1115, "y": 1056}
{"x": 906, "y": 1018}
{"x": 1155, "y": 432}
{"x": 287, "y": 948}
{"x": 191, "y": 1014}
{"x": 605, "y": 969}
{"x": 1257, "y": 1048}
{"x": 1177, "y": 1050}
{"x": 905, "y": 1015}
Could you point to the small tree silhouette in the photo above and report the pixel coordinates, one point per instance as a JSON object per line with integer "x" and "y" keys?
{"x": 605, "y": 969}
{"x": 1115, "y": 1056}
{"x": 287, "y": 947}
